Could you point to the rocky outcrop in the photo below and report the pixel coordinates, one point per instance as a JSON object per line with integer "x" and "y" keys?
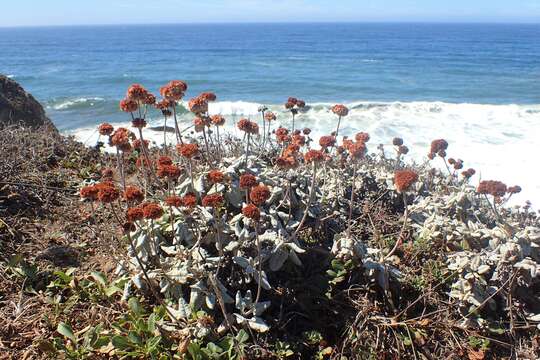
{"x": 17, "y": 107}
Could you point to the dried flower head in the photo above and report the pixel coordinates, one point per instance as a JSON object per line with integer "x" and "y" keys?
{"x": 215, "y": 177}
{"x": 403, "y": 179}
{"x": 128, "y": 227}
{"x": 128, "y": 105}
{"x": 200, "y": 122}
{"x": 492, "y": 187}
{"x": 327, "y": 141}
{"x": 438, "y": 147}
{"x": 300, "y": 104}
{"x": 105, "y": 129}
{"x": 269, "y": 116}
{"x": 133, "y": 194}
{"x": 208, "y": 96}
{"x": 164, "y": 105}
{"x": 121, "y": 137}
{"x": 198, "y": 105}
{"x": 314, "y": 156}
{"x": 362, "y": 136}
{"x": 150, "y": 99}
{"x": 397, "y": 141}
{"x": 468, "y": 173}
{"x": 403, "y": 149}
{"x": 251, "y": 212}
{"x": 247, "y": 181}
{"x": 218, "y": 120}
{"x": 248, "y": 126}
{"x": 188, "y": 150}
{"x": 306, "y": 131}
{"x": 164, "y": 160}
{"x": 299, "y": 140}
{"x": 286, "y": 162}
{"x": 259, "y": 194}
{"x": 89, "y": 192}
{"x": 516, "y": 189}
{"x": 340, "y": 110}
{"x": 136, "y": 92}
{"x": 152, "y": 211}
{"x": 107, "y": 192}
{"x": 291, "y": 150}
{"x": 212, "y": 200}
{"x": 357, "y": 150}
{"x": 169, "y": 171}
{"x": 174, "y": 90}
{"x": 135, "y": 214}
{"x": 173, "y": 200}
{"x": 137, "y": 144}
{"x": 189, "y": 200}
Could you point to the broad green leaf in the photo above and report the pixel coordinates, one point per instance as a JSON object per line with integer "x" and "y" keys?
{"x": 99, "y": 277}
{"x": 66, "y": 330}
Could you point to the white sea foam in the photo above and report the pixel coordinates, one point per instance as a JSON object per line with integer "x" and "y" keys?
{"x": 10, "y": 76}
{"x": 499, "y": 141}
{"x": 74, "y": 103}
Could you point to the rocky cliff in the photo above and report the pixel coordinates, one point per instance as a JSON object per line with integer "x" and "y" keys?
{"x": 18, "y": 107}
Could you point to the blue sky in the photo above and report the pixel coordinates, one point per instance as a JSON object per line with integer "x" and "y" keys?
{"x": 69, "y": 12}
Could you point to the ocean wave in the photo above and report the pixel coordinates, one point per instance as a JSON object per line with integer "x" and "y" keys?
{"x": 78, "y": 103}
{"x": 499, "y": 141}
{"x": 10, "y": 76}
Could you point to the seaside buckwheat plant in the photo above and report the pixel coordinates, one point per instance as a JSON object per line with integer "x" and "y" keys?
{"x": 270, "y": 234}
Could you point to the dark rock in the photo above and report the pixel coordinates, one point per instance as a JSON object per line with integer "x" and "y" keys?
{"x": 160, "y": 128}
{"x": 17, "y": 107}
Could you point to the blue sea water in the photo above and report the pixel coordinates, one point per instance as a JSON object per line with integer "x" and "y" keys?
{"x": 478, "y": 85}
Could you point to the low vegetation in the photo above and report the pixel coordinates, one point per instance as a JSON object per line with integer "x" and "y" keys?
{"x": 270, "y": 246}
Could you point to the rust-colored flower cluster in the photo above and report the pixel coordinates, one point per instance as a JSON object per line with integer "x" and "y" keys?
{"x": 173, "y": 201}
{"x": 138, "y": 144}
{"x": 121, "y": 138}
{"x": 135, "y": 214}
{"x": 457, "y": 164}
{"x": 215, "y": 177}
{"x": 251, "y": 212}
{"x": 128, "y": 105}
{"x": 169, "y": 171}
{"x": 492, "y": 187}
{"x": 362, "y": 137}
{"x": 133, "y": 194}
{"x": 208, "y": 96}
{"x": 438, "y": 147}
{"x": 403, "y": 179}
{"x": 269, "y": 116}
{"x": 198, "y": 105}
{"x": 212, "y": 200}
{"x": 136, "y": 92}
{"x": 189, "y": 200}
{"x": 340, "y": 110}
{"x": 259, "y": 194}
{"x": 107, "y": 192}
{"x": 174, "y": 90}
{"x": 314, "y": 156}
{"x": 247, "y": 126}
{"x": 468, "y": 173}
{"x": 200, "y": 122}
{"x": 152, "y": 211}
{"x": 89, "y": 192}
{"x": 218, "y": 120}
{"x": 327, "y": 141}
{"x": 105, "y": 129}
{"x": 282, "y": 135}
{"x": 247, "y": 181}
{"x": 294, "y": 104}
{"x": 188, "y": 150}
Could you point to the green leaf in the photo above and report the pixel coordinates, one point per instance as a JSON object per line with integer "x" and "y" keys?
{"x": 242, "y": 336}
{"x": 66, "y": 330}
{"x": 135, "y": 306}
{"x": 120, "y": 342}
{"x": 152, "y": 323}
{"x": 111, "y": 290}
{"x": 99, "y": 277}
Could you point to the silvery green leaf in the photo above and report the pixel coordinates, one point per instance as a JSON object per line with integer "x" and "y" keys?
{"x": 232, "y": 246}
{"x": 197, "y": 294}
{"x": 261, "y": 307}
{"x": 211, "y": 301}
{"x": 295, "y": 247}
{"x": 277, "y": 259}
{"x": 264, "y": 280}
{"x": 169, "y": 250}
{"x": 235, "y": 197}
{"x": 199, "y": 184}
{"x": 294, "y": 258}
{"x": 241, "y": 261}
{"x": 224, "y": 293}
{"x": 137, "y": 280}
{"x": 258, "y": 325}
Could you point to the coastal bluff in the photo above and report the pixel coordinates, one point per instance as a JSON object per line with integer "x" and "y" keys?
{"x": 18, "y": 107}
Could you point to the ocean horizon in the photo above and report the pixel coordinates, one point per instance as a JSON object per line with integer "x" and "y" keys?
{"x": 474, "y": 84}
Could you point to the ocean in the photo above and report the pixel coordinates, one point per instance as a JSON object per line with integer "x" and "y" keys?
{"x": 476, "y": 85}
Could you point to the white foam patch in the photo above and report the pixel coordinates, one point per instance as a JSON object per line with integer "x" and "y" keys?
{"x": 499, "y": 141}
{"x": 75, "y": 103}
